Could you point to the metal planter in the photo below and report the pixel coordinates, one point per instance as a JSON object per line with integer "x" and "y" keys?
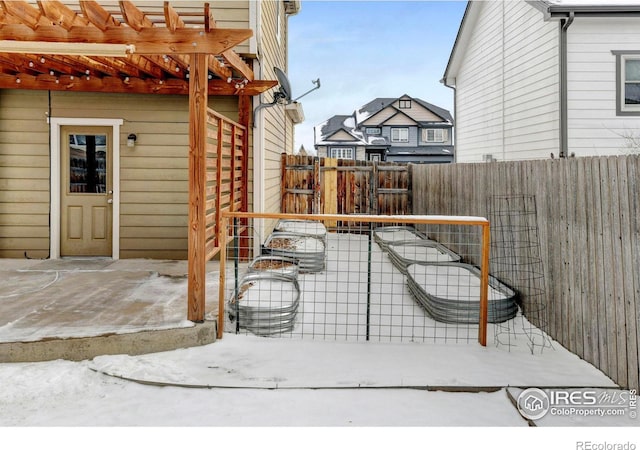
{"x": 287, "y": 267}
{"x": 384, "y": 236}
{"x": 450, "y": 293}
{"x": 403, "y": 254}
{"x": 265, "y": 303}
{"x": 309, "y": 251}
{"x": 302, "y": 227}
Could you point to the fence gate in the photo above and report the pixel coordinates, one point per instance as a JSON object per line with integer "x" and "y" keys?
{"x": 313, "y": 185}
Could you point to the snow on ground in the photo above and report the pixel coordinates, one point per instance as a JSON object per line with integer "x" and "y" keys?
{"x": 391, "y": 391}
{"x": 250, "y": 381}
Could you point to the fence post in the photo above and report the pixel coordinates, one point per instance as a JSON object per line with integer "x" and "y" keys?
{"x": 484, "y": 286}
{"x": 330, "y": 192}
{"x": 222, "y": 233}
{"x": 317, "y": 186}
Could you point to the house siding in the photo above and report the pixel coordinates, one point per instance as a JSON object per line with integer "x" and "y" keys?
{"x": 594, "y": 128}
{"x": 24, "y": 174}
{"x": 511, "y": 110}
{"x": 154, "y": 174}
{"x": 279, "y": 129}
{"x": 418, "y": 112}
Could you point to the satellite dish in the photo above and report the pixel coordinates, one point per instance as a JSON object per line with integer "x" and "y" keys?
{"x": 285, "y": 87}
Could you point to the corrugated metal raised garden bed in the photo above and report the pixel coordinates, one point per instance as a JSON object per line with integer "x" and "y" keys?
{"x": 384, "y": 236}
{"x": 302, "y": 227}
{"x": 450, "y": 293}
{"x": 403, "y": 254}
{"x": 309, "y": 251}
{"x": 265, "y": 303}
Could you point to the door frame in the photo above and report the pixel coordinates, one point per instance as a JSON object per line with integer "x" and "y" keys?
{"x": 55, "y": 125}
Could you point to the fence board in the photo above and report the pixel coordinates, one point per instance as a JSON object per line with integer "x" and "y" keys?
{"x": 633, "y": 301}
{"x": 589, "y": 234}
{"x": 617, "y": 276}
{"x": 344, "y": 186}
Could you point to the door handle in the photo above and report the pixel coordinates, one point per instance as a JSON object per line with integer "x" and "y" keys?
{"x": 110, "y": 201}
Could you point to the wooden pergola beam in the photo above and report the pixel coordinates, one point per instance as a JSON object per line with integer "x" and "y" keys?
{"x": 97, "y": 15}
{"x": 61, "y": 15}
{"x": 153, "y": 41}
{"x": 122, "y": 85}
{"x": 173, "y": 22}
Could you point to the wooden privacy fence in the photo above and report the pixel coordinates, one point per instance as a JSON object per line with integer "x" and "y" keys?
{"x": 313, "y": 185}
{"x": 226, "y": 168}
{"x": 589, "y": 232}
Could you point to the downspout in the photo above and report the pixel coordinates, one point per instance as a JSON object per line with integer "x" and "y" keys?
{"x": 258, "y": 119}
{"x": 455, "y": 128}
{"x": 564, "y": 126}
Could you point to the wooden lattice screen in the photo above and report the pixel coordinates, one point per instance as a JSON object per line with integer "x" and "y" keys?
{"x": 226, "y": 163}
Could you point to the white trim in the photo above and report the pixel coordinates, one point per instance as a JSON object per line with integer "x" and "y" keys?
{"x": 400, "y": 131}
{"x": 55, "y": 124}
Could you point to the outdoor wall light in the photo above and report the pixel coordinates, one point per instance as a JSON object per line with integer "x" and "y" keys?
{"x": 131, "y": 140}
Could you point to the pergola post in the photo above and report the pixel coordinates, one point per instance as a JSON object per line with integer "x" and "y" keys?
{"x": 196, "y": 286}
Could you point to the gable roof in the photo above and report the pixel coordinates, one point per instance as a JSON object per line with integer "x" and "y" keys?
{"x": 349, "y": 123}
{"x": 551, "y": 10}
{"x": 376, "y": 105}
{"x": 325, "y": 130}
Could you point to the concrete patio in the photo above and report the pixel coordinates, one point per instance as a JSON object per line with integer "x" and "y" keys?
{"x": 79, "y": 308}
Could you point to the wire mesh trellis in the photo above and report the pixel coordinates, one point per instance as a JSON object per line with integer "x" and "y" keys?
{"x": 350, "y": 288}
{"x": 515, "y": 258}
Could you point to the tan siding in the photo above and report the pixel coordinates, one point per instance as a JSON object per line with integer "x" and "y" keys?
{"x": 24, "y": 174}
{"x": 156, "y": 167}
{"x": 419, "y": 113}
{"x": 278, "y": 132}
{"x": 342, "y": 136}
{"x": 400, "y": 119}
{"x": 154, "y": 174}
{"x": 380, "y": 117}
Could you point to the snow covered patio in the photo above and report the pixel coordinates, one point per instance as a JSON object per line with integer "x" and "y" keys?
{"x": 79, "y": 308}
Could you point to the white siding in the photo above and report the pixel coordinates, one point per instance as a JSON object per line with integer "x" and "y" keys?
{"x": 507, "y": 95}
{"x": 594, "y": 128}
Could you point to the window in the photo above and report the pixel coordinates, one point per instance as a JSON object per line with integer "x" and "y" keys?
{"x": 405, "y": 104}
{"x": 373, "y": 130}
{"x": 342, "y": 152}
{"x": 399, "y": 135}
{"x": 434, "y": 135}
{"x": 628, "y": 83}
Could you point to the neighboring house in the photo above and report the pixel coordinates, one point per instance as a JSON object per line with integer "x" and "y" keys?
{"x": 47, "y": 101}
{"x": 541, "y": 79}
{"x": 403, "y": 129}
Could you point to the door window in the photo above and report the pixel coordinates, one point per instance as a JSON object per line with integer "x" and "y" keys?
{"x": 87, "y": 163}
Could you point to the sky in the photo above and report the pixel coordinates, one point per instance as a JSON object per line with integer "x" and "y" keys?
{"x": 361, "y": 50}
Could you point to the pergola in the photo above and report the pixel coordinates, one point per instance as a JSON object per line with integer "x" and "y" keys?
{"x": 149, "y": 48}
